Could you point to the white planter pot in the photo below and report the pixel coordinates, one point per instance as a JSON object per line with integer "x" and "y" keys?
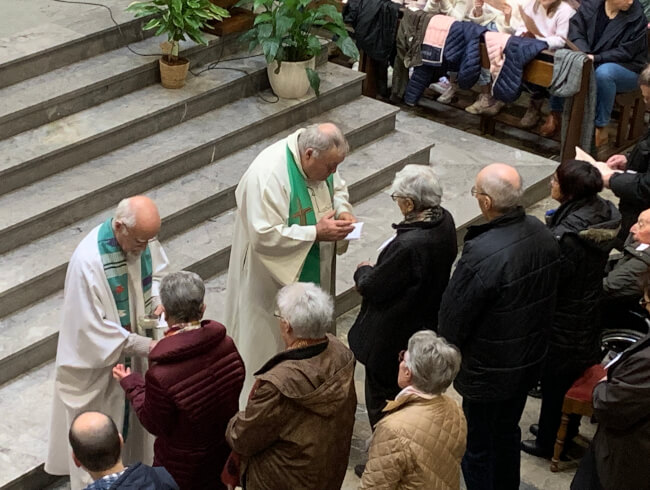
{"x": 291, "y": 82}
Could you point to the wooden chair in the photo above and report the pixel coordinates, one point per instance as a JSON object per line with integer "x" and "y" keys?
{"x": 578, "y": 400}
{"x": 630, "y": 121}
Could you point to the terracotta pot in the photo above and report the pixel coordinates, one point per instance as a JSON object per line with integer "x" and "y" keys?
{"x": 291, "y": 82}
{"x": 172, "y": 75}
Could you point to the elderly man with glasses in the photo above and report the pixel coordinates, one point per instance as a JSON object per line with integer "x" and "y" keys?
{"x": 497, "y": 309}
{"x": 112, "y": 280}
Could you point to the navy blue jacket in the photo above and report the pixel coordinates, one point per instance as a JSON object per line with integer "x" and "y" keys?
{"x": 519, "y": 51}
{"x": 142, "y": 477}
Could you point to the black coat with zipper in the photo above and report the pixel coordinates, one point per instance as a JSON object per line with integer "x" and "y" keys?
{"x": 624, "y": 40}
{"x": 586, "y": 230}
{"x": 401, "y": 293}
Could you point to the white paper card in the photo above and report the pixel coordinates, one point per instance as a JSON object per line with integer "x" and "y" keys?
{"x": 584, "y": 156}
{"x": 642, "y": 247}
{"x": 356, "y": 233}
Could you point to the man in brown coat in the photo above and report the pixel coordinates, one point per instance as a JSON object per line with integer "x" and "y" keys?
{"x": 297, "y": 427}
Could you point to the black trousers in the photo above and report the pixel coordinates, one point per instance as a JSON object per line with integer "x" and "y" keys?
{"x": 555, "y": 384}
{"x": 379, "y": 388}
{"x": 492, "y": 458}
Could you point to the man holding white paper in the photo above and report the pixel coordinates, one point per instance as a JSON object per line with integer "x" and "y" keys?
{"x": 292, "y": 206}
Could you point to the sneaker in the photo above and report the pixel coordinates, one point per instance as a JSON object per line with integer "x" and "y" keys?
{"x": 482, "y": 101}
{"x": 448, "y": 95}
{"x": 441, "y": 86}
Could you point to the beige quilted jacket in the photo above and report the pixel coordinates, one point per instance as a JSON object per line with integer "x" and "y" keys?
{"x": 418, "y": 445}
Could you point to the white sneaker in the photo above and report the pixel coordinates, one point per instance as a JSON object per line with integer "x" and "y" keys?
{"x": 448, "y": 94}
{"x": 441, "y": 86}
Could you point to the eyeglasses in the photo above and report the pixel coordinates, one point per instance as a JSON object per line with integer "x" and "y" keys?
{"x": 643, "y": 302}
{"x": 277, "y": 315}
{"x": 475, "y": 192}
{"x": 395, "y": 197}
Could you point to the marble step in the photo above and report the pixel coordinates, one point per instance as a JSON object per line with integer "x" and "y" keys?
{"x": 39, "y": 36}
{"x": 30, "y": 334}
{"x": 53, "y": 147}
{"x": 92, "y": 81}
{"x": 152, "y": 160}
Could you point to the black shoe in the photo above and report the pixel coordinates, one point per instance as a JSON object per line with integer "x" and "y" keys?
{"x": 531, "y": 447}
{"x": 534, "y": 429}
{"x": 359, "y": 469}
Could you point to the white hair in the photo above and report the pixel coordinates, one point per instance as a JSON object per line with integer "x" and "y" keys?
{"x": 505, "y": 196}
{"x": 320, "y": 141}
{"x": 434, "y": 363}
{"x": 307, "y": 308}
{"x": 420, "y": 184}
{"x": 182, "y": 293}
{"x": 125, "y": 213}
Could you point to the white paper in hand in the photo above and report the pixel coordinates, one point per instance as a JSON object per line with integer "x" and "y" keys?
{"x": 584, "y": 156}
{"x": 356, "y": 233}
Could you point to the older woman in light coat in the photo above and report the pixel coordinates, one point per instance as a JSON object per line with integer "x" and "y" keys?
{"x": 421, "y": 441}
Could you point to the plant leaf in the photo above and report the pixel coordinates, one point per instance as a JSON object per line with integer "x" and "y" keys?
{"x": 282, "y": 25}
{"x": 151, "y": 24}
{"x": 329, "y": 10}
{"x": 270, "y": 48}
{"x": 262, "y": 18}
{"x": 314, "y": 80}
{"x": 347, "y": 46}
{"x": 264, "y": 31}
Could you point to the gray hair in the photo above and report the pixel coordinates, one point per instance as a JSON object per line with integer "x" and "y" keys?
{"x": 644, "y": 77}
{"x": 319, "y": 141}
{"x": 420, "y": 184}
{"x": 505, "y": 197}
{"x": 434, "y": 363}
{"x": 125, "y": 213}
{"x": 307, "y": 308}
{"x": 181, "y": 294}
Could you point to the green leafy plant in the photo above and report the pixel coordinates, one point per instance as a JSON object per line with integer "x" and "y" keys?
{"x": 178, "y": 19}
{"x": 285, "y": 29}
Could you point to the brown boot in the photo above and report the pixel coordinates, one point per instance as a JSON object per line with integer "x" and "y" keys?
{"x": 552, "y": 124}
{"x": 601, "y": 137}
{"x": 532, "y": 115}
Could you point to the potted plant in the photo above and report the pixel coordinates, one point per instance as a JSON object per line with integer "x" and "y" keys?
{"x": 285, "y": 29}
{"x": 179, "y": 19}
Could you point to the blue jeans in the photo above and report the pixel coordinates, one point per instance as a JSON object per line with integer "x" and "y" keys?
{"x": 492, "y": 458}
{"x": 611, "y": 79}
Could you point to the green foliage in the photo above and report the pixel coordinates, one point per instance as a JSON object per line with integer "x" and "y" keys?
{"x": 285, "y": 31}
{"x": 179, "y": 19}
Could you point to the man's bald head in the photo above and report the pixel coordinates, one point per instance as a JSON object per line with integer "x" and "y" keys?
{"x": 136, "y": 222}
{"x": 502, "y": 186}
{"x": 95, "y": 441}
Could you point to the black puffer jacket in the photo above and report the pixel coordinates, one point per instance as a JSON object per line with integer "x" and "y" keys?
{"x": 402, "y": 292}
{"x": 633, "y": 188}
{"x": 624, "y": 40}
{"x": 499, "y": 304}
{"x": 586, "y": 231}
{"x": 375, "y": 27}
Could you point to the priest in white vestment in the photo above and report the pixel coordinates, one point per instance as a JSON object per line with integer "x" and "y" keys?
{"x": 112, "y": 280}
{"x": 292, "y": 206}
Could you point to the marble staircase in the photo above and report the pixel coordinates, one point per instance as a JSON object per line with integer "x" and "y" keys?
{"x": 85, "y": 124}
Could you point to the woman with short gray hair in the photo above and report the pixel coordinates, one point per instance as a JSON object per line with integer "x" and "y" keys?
{"x": 296, "y": 429}
{"x": 421, "y": 441}
{"x": 402, "y": 291}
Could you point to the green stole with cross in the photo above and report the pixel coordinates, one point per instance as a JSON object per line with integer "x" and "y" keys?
{"x": 301, "y": 212}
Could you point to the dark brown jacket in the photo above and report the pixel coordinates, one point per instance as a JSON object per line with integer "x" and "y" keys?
{"x": 297, "y": 427}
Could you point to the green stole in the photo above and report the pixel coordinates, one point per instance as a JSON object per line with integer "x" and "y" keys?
{"x": 304, "y": 216}
{"x": 114, "y": 262}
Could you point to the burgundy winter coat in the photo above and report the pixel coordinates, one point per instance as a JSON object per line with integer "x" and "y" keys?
{"x": 190, "y": 392}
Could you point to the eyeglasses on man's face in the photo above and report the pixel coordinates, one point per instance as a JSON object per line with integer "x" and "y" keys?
{"x": 277, "y": 315}
{"x": 395, "y": 197}
{"x": 401, "y": 355}
{"x": 643, "y": 302}
{"x": 475, "y": 192}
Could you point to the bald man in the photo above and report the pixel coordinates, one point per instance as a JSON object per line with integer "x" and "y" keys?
{"x": 292, "y": 206}
{"x": 112, "y": 280}
{"x": 497, "y": 309}
{"x": 96, "y": 448}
